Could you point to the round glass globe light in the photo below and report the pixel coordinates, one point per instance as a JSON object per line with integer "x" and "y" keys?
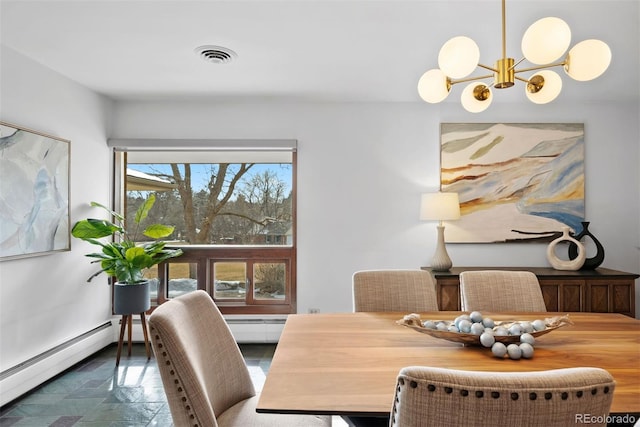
{"x": 432, "y": 86}
{"x": 550, "y": 90}
{"x": 588, "y": 60}
{"x": 458, "y": 57}
{"x": 546, "y": 40}
{"x": 469, "y": 101}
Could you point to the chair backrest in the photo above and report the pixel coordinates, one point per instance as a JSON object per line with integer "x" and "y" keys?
{"x": 499, "y": 290}
{"x": 440, "y": 397}
{"x": 202, "y": 369}
{"x": 394, "y": 290}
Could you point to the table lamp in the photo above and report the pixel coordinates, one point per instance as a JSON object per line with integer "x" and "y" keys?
{"x": 440, "y": 207}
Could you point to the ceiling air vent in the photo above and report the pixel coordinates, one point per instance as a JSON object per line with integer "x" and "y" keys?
{"x": 216, "y": 54}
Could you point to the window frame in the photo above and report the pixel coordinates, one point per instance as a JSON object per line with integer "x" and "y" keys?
{"x": 204, "y": 255}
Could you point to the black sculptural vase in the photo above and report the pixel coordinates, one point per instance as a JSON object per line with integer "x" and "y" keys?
{"x": 597, "y": 259}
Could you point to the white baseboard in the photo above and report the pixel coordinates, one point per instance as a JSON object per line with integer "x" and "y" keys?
{"x": 16, "y": 381}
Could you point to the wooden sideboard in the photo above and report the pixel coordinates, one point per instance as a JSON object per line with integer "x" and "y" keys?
{"x": 601, "y": 290}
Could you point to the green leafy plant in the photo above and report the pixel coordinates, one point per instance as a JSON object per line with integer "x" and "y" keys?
{"x": 123, "y": 258}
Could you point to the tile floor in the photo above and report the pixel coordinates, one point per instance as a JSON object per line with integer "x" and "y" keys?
{"x": 96, "y": 393}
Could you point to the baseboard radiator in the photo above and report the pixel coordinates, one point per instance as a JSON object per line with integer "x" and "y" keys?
{"x": 19, "y": 379}
{"x": 245, "y": 329}
{"x": 256, "y": 330}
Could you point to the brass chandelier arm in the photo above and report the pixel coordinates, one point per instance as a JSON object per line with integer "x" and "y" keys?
{"x": 486, "y": 67}
{"x": 521, "y": 79}
{"x": 515, "y": 64}
{"x": 542, "y": 67}
{"x": 470, "y": 79}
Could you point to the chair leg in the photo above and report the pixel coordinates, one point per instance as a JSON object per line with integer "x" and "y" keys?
{"x": 123, "y": 324}
{"x": 146, "y": 336}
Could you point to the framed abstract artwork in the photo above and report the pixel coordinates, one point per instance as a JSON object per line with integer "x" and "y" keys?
{"x": 517, "y": 182}
{"x": 34, "y": 193}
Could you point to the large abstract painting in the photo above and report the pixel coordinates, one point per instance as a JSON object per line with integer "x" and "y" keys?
{"x": 517, "y": 182}
{"x": 34, "y": 193}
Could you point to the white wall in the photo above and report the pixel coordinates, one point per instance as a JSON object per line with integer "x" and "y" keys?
{"x": 362, "y": 168}
{"x": 45, "y": 300}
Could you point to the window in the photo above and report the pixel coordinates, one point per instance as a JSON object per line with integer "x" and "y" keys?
{"x": 233, "y": 206}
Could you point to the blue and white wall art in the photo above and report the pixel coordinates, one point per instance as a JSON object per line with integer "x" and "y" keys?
{"x": 34, "y": 193}
{"x": 517, "y": 182}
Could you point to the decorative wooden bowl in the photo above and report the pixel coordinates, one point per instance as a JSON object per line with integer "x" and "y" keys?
{"x": 414, "y": 322}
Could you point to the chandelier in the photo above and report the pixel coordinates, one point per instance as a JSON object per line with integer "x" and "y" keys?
{"x": 543, "y": 44}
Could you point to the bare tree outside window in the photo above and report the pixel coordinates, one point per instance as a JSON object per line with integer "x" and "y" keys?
{"x": 234, "y": 206}
{"x": 246, "y": 208}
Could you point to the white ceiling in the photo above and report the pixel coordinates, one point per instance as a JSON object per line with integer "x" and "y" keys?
{"x": 330, "y": 50}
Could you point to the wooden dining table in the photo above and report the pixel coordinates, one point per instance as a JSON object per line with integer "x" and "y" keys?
{"x": 347, "y": 363}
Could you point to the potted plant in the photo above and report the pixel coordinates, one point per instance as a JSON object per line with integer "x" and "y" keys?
{"x": 125, "y": 259}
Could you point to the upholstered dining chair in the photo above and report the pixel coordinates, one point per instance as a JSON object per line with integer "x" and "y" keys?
{"x": 394, "y": 290}
{"x": 500, "y": 290}
{"x": 438, "y": 397}
{"x": 204, "y": 375}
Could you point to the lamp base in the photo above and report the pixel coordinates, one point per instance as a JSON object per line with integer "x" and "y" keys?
{"x": 441, "y": 260}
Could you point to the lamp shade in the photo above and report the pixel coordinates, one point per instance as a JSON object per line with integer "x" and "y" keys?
{"x": 469, "y": 100}
{"x": 588, "y": 60}
{"x": 433, "y": 87}
{"x": 550, "y": 89}
{"x": 458, "y": 57}
{"x": 546, "y": 40}
{"x": 439, "y": 207}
